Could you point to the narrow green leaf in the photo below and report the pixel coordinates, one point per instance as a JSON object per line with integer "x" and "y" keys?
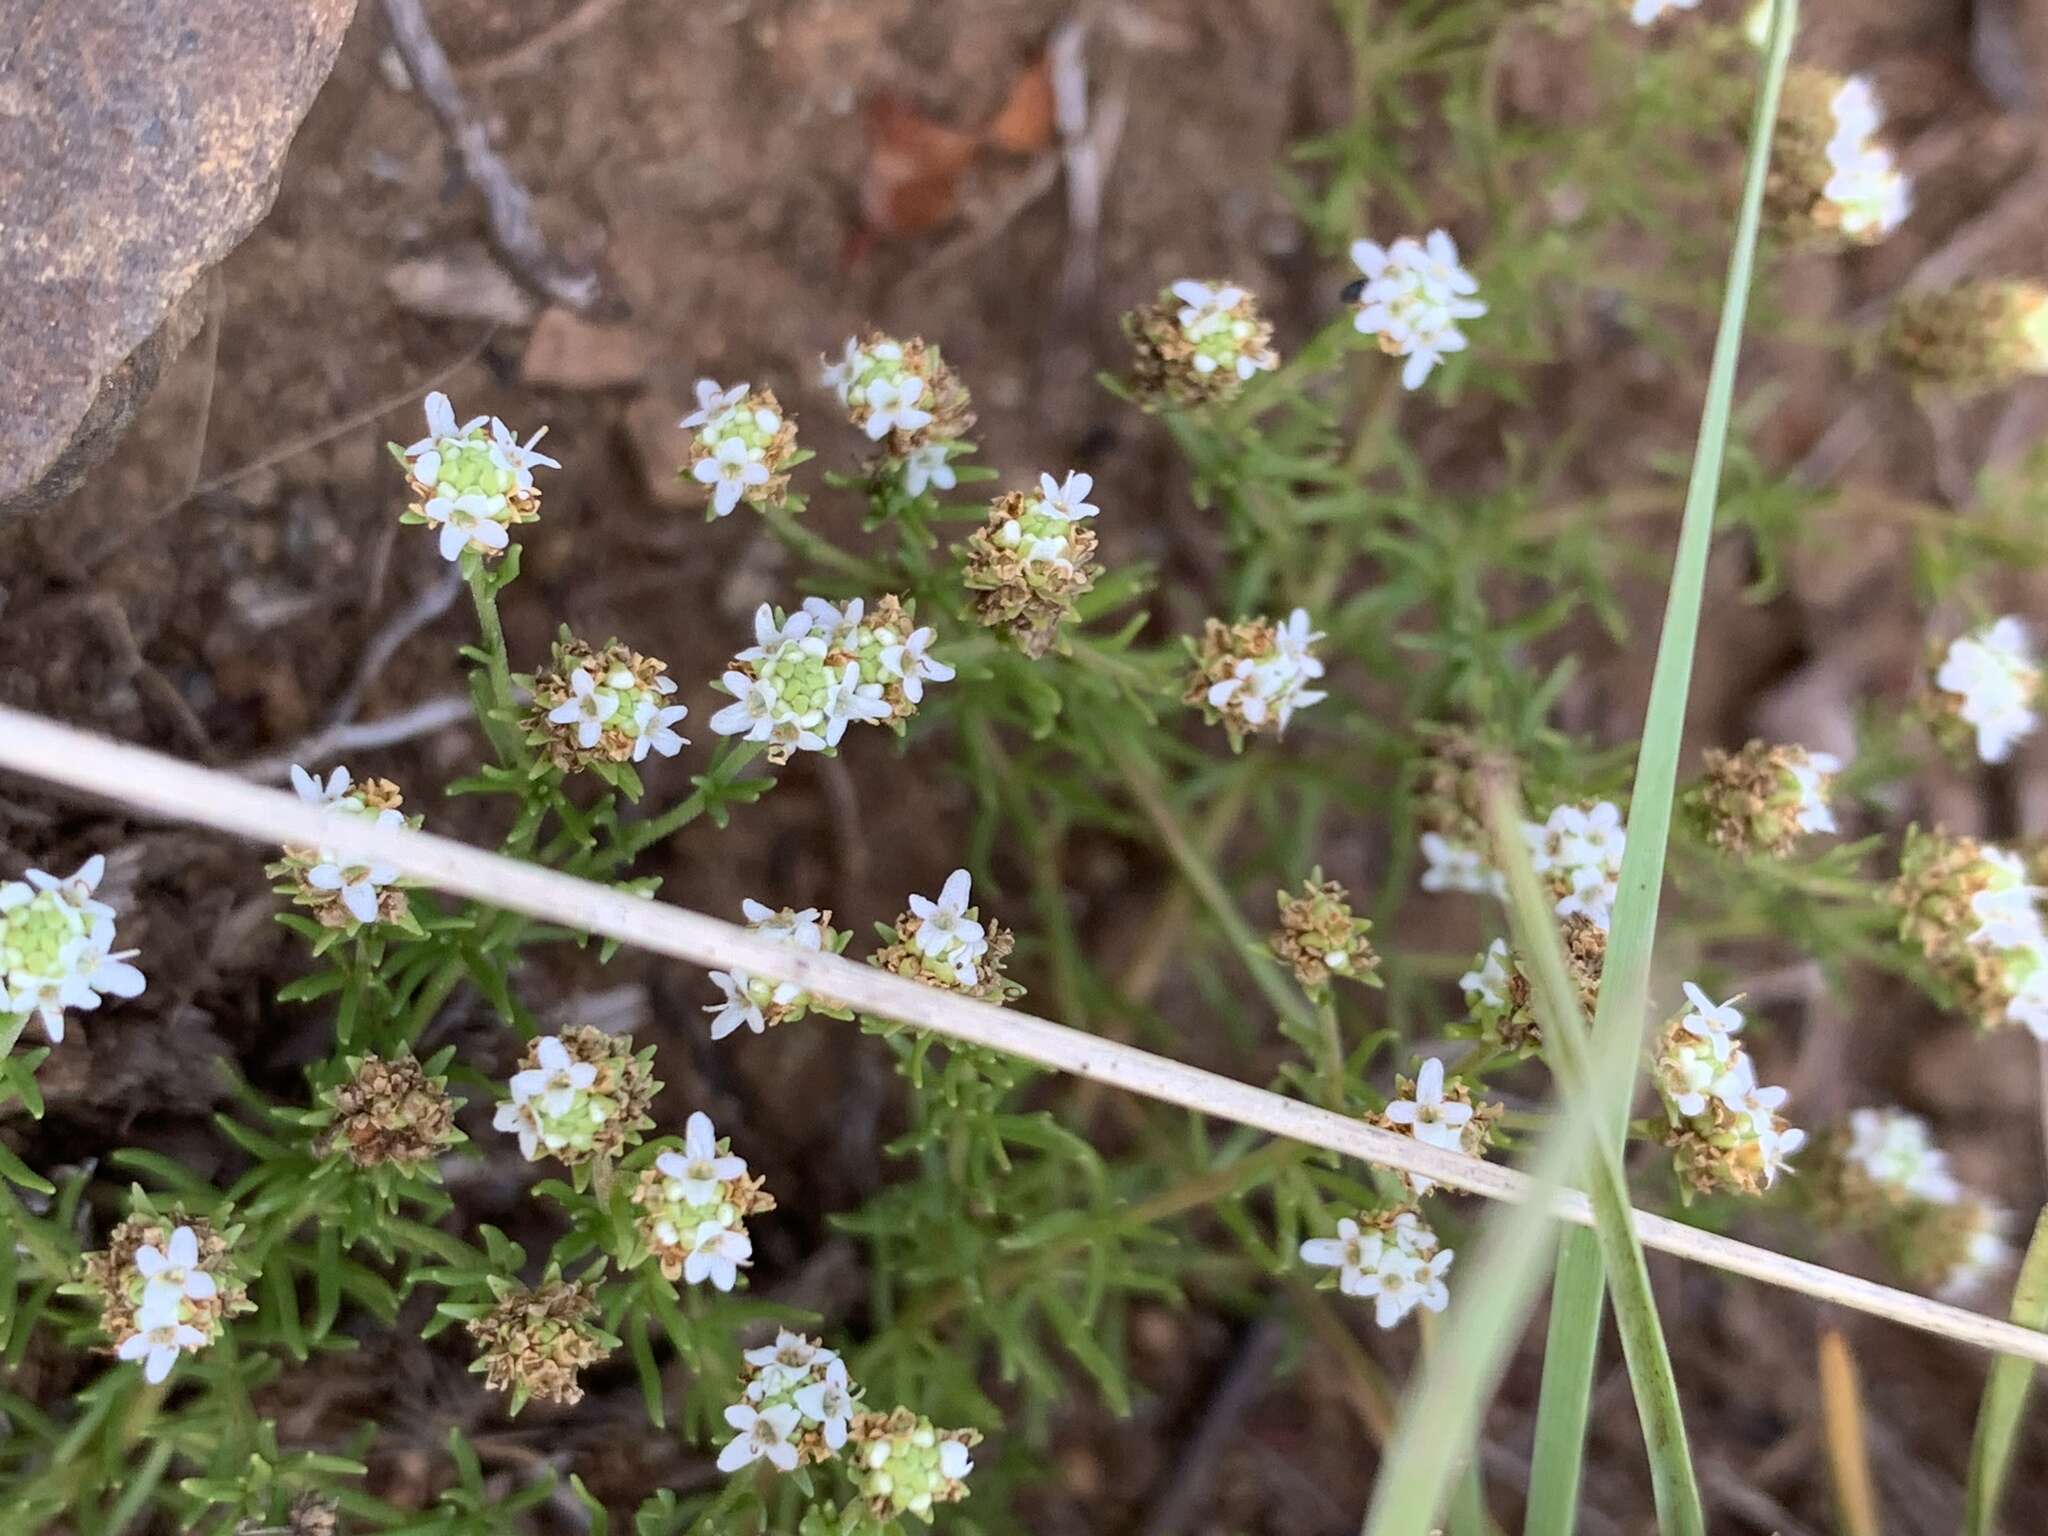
{"x": 2005, "y": 1396}
{"x": 1577, "y": 1297}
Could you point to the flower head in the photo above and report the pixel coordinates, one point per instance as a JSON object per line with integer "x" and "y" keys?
{"x": 1724, "y": 1129}
{"x": 693, "y": 1207}
{"x": 805, "y": 1388}
{"x": 903, "y": 1464}
{"x": 1389, "y": 1257}
{"x": 758, "y": 1004}
{"x": 1251, "y": 677}
{"x": 1990, "y": 683}
{"x": 742, "y": 448}
{"x": 1320, "y": 937}
{"x": 1576, "y": 851}
{"x": 1413, "y": 295}
{"x": 1830, "y": 180}
{"x": 1033, "y": 560}
{"x": 346, "y": 891}
{"x": 1764, "y": 799}
{"x": 1198, "y": 343}
{"x": 1646, "y": 13}
{"x": 535, "y": 1343}
{"x": 944, "y": 943}
{"x": 472, "y": 480}
{"x": 580, "y": 1097}
{"x": 901, "y": 395}
{"x": 1978, "y": 335}
{"x": 1970, "y": 910}
{"x": 57, "y": 947}
{"x": 603, "y": 706}
{"x": 166, "y": 1285}
{"x": 1438, "y": 1115}
{"x": 391, "y": 1111}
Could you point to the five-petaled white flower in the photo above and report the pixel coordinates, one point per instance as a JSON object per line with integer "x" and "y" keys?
{"x": 1456, "y": 867}
{"x": 945, "y": 931}
{"x": 712, "y": 402}
{"x": 1709, "y": 1018}
{"x": 588, "y": 708}
{"x": 1429, "y": 1116}
{"x": 557, "y": 1078}
{"x": 911, "y": 661}
{"x": 356, "y": 880}
{"x": 1487, "y": 983}
{"x": 765, "y": 1435}
{"x": 1067, "y": 500}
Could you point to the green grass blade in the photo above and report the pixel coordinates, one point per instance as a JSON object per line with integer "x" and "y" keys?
{"x": 2005, "y": 1396}
{"x": 1577, "y": 1298}
{"x": 1568, "y": 1048}
{"x": 1441, "y": 1414}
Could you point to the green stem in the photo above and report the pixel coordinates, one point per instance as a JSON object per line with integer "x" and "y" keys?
{"x": 723, "y": 770}
{"x": 497, "y": 664}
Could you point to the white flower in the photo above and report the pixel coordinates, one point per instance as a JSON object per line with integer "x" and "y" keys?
{"x": 699, "y": 1173}
{"x": 2029, "y": 1004}
{"x": 1810, "y": 772}
{"x": 1223, "y": 329}
{"x": 588, "y": 708}
{"x": 829, "y": 1403}
{"x": 838, "y": 377}
{"x": 557, "y": 1079}
{"x": 800, "y": 929}
{"x": 1709, "y": 1018}
{"x": 943, "y": 925}
{"x": 1691, "y": 1073}
{"x": 910, "y": 661}
{"x": 739, "y": 1007}
{"x": 356, "y": 880}
{"x": 158, "y": 1345}
{"x": 1995, "y": 675}
{"x": 171, "y": 1274}
{"x": 1201, "y": 304}
{"x": 716, "y": 1253}
{"x": 1068, "y": 500}
{"x": 1984, "y": 1254}
{"x": 1455, "y": 867}
{"x": 928, "y": 467}
{"x": 732, "y": 471}
{"x": 768, "y": 1435}
{"x": 334, "y": 792}
{"x": 1428, "y": 1116}
{"x": 1646, "y": 12}
{"x": 892, "y": 406}
{"x": 656, "y": 726}
{"x": 1414, "y": 295}
{"x": 713, "y": 401}
{"x": 1488, "y": 983}
{"x": 76, "y": 889}
{"x": 791, "y": 1352}
{"x": 1353, "y": 1253}
{"x": 1871, "y": 197}
{"x": 471, "y": 520}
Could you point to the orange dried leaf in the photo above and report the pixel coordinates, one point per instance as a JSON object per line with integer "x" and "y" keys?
{"x": 1024, "y": 124}
{"x": 913, "y": 172}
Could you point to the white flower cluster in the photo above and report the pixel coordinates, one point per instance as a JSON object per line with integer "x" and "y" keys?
{"x": 1456, "y": 866}
{"x": 1414, "y": 295}
{"x": 1218, "y": 324}
{"x": 2008, "y": 914}
{"x": 552, "y": 1107}
{"x": 1897, "y": 1151}
{"x": 737, "y": 447}
{"x": 1811, "y": 774}
{"x": 755, "y": 1001}
{"x": 171, "y": 1278}
{"x": 620, "y": 701}
{"x": 1042, "y": 532}
{"x": 1996, "y": 682}
{"x": 1429, "y": 1117}
{"x": 1711, "y": 1093}
{"x": 797, "y": 1397}
{"x": 474, "y": 479}
{"x": 1871, "y": 196}
{"x": 812, "y": 673}
{"x": 1396, "y": 1263}
{"x": 694, "y": 1205}
{"x": 1577, "y": 850}
{"x": 1273, "y": 686}
{"x": 357, "y": 883}
{"x": 57, "y": 947}
{"x": 873, "y": 383}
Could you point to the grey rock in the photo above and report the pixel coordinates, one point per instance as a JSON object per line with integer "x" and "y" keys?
{"x": 140, "y": 141}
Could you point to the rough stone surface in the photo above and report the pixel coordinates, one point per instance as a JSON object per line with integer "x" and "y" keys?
{"x": 139, "y": 142}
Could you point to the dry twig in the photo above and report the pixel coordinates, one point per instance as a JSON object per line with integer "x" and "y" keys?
{"x": 509, "y": 206}
{"x": 157, "y": 785}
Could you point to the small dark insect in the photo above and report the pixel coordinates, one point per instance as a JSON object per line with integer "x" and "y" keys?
{"x": 1353, "y": 291}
